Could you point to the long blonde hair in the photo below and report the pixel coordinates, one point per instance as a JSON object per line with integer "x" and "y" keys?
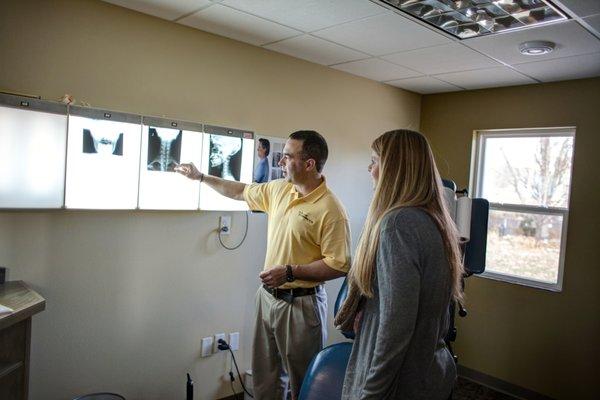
{"x": 408, "y": 177}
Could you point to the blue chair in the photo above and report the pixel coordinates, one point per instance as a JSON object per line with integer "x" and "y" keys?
{"x": 342, "y": 294}
{"x": 325, "y": 374}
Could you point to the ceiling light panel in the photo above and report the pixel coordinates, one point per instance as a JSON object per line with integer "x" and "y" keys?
{"x": 471, "y": 18}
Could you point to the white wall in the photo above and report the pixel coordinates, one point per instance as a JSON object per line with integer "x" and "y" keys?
{"x": 130, "y": 294}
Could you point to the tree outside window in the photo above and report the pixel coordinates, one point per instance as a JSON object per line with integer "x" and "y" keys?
{"x": 526, "y": 176}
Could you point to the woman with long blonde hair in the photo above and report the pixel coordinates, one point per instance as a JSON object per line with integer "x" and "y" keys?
{"x": 406, "y": 270}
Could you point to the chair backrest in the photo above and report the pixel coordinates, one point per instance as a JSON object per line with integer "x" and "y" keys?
{"x": 325, "y": 375}
{"x": 100, "y": 396}
{"x": 342, "y": 294}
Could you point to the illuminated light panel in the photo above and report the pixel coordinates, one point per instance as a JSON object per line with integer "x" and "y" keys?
{"x": 471, "y": 18}
{"x": 161, "y": 188}
{"x": 229, "y": 157}
{"x": 103, "y": 158}
{"x": 32, "y": 158}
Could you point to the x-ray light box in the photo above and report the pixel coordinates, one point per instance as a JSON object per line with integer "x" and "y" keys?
{"x": 32, "y": 153}
{"x": 166, "y": 144}
{"x": 228, "y": 154}
{"x": 103, "y": 158}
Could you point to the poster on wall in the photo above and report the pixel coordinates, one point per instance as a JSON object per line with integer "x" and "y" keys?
{"x": 33, "y": 138}
{"x": 103, "y": 156}
{"x": 268, "y": 153}
{"x": 228, "y": 154}
{"x": 166, "y": 144}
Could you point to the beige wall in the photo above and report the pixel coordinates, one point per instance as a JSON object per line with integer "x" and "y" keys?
{"x": 544, "y": 341}
{"x": 130, "y": 294}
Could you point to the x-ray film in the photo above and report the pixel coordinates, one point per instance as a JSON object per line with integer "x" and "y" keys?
{"x": 112, "y": 145}
{"x": 227, "y": 157}
{"x": 102, "y": 163}
{"x": 162, "y": 150}
{"x": 32, "y": 158}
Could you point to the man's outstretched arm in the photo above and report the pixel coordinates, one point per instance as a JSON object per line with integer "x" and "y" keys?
{"x": 231, "y": 189}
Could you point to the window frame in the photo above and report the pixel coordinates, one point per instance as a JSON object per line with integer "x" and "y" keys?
{"x": 476, "y": 186}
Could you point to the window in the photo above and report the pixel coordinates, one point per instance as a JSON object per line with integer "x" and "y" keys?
{"x": 525, "y": 174}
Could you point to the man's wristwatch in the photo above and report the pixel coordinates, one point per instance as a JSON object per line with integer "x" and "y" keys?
{"x": 289, "y": 275}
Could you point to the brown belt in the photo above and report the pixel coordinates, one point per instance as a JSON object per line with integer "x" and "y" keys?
{"x": 289, "y": 294}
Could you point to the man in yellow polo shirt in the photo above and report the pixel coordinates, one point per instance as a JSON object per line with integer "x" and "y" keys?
{"x": 308, "y": 243}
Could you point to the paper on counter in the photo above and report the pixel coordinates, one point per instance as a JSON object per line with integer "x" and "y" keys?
{"x": 5, "y": 310}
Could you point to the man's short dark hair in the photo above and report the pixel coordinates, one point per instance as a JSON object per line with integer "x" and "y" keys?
{"x": 313, "y": 146}
{"x": 265, "y": 145}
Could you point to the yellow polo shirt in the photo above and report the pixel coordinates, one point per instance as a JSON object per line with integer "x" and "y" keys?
{"x": 302, "y": 229}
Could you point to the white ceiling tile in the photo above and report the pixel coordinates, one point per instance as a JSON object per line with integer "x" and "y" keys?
{"x": 594, "y": 21}
{"x": 582, "y": 7}
{"x": 237, "y": 25}
{"x": 570, "y": 38}
{"x": 484, "y": 78}
{"x": 316, "y": 50}
{"x": 560, "y": 69}
{"x": 308, "y": 15}
{"x": 166, "y": 9}
{"x": 424, "y": 85}
{"x": 439, "y": 59}
{"x": 382, "y": 34}
{"x": 376, "y": 69}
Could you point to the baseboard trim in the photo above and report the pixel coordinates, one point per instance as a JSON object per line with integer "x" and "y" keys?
{"x": 500, "y": 385}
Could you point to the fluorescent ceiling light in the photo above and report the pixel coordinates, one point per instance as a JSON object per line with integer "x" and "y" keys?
{"x": 470, "y": 18}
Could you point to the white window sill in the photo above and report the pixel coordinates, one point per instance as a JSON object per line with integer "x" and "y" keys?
{"x": 553, "y": 287}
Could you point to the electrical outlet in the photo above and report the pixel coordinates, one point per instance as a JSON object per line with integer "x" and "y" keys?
{"x": 216, "y": 344}
{"x": 207, "y": 346}
{"x": 225, "y": 224}
{"x": 234, "y": 340}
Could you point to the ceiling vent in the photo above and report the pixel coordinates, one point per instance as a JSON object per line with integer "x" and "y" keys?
{"x": 536, "y": 48}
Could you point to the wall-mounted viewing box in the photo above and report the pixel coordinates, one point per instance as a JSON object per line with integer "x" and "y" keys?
{"x": 228, "y": 154}
{"x": 33, "y": 135}
{"x": 54, "y": 156}
{"x": 166, "y": 144}
{"x": 103, "y": 158}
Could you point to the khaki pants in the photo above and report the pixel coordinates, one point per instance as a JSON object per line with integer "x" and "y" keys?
{"x": 286, "y": 338}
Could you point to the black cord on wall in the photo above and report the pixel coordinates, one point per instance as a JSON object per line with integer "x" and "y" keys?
{"x": 222, "y": 230}
{"x": 223, "y": 345}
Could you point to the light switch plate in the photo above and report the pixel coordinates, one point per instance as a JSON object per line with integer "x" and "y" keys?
{"x": 207, "y": 346}
{"x": 234, "y": 340}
